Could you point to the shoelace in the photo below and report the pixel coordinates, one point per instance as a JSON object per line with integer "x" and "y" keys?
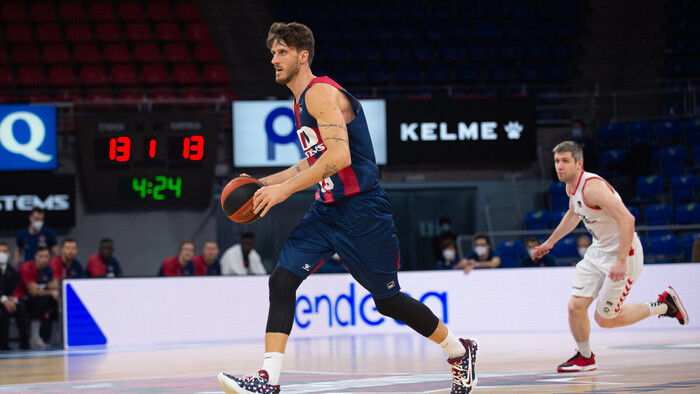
{"x": 250, "y": 378}
{"x": 577, "y": 355}
{"x": 458, "y": 374}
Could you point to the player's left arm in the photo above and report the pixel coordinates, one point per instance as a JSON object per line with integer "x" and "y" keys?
{"x": 325, "y": 104}
{"x": 597, "y": 193}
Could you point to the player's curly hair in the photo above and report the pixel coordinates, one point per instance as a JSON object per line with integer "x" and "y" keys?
{"x": 293, "y": 34}
{"x": 569, "y": 146}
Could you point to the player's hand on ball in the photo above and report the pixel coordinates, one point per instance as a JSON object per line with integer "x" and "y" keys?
{"x": 269, "y": 196}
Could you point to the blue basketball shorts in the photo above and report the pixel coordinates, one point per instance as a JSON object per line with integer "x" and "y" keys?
{"x": 360, "y": 228}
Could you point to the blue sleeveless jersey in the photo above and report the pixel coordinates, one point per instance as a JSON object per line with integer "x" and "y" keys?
{"x": 362, "y": 174}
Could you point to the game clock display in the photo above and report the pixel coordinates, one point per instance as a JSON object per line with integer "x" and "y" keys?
{"x": 148, "y": 161}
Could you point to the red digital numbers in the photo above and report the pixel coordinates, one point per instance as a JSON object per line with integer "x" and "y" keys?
{"x": 193, "y": 148}
{"x": 120, "y": 149}
{"x": 152, "y": 148}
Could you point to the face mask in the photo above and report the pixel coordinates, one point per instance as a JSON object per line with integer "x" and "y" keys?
{"x": 3, "y": 259}
{"x": 577, "y": 133}
{"x": 582, "y": 251}
{"x": 37, "y": 224}
{"x": 448, "y": 254}
{"x": 445, "y": 227}
{"x": 481, "y": 250}
{"x": 531, "y": 252}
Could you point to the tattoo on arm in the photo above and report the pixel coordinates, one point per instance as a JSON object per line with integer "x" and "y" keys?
{"x": 335, "y": 138}
{"x": 330, "y": 170}
{"x": 340, "y": 126}
{"x": 296, "y": 167}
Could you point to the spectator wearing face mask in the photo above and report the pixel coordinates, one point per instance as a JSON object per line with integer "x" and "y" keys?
{"x": 444, "y": 234}
{"x": 35, "y": 235}
{"x": 582, "y": 245}
{"x": 450, "y": 258}
{"x": 544, "y": 261}
{"x": 482, "y": 256}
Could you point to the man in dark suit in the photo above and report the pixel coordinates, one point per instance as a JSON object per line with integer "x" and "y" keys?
{"x": 9, "y": 304}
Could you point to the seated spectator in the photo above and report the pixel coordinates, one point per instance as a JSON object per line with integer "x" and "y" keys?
{"x": 35, "y": 235}
{"x": 104, "y": 264}
{"x": 449, "y": 259}
{"x": 445, "y": 234}
{"x": 180, "y": 265}
{"x": 10, "y": 306}
{"x": 38, "y": 291}
{"x": 582, "y": 244}
{"x": 242, "y": 259}
{"x": 65, "y": 265}
{"x": 546, "y": 260}
{"x": 207, "y": 263}
{"x": 482, "y": 256}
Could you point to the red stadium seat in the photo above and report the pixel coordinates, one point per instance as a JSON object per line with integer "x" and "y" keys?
{"x": 78, "y": 32}
{"x": 146, "y": 53}
{"x": 31, "y": 76}
{"x": 61, "y": 76}
{"x": 48, "y": 33}
{"x": 18, "y": 34}
{"x": 228, "y": 95}
{"x": 130, "y": 12}
{"x": 133, "y": 97}
{"x": 168, "y": 32}
{"x": 43, "y": 12}
{"x": 108, "y": 32}
{"x": 8, "y": 98}
{"x": 154, "y": 74}
{"x": 101, "y": 12}
{"x": 117, "y": 53}
{"x": 207, "y": 53}
{"x": 160, "y": 12}
{"x": 13, "y": 13}
{"x": 99, "y": 100}
{"x": 197, "y": 32}
{"x": 216, "y": 74}
{"x": 138, "y": 32}
{"x": 93, "y": 76}
{"x": 177, "y": 53}
{"x": 189, "y": 12}
{"x": 37, "y": 98}
{"x": 25, "y": 54}
{"x": 86, "y": 53}
{"x": 71, "y": 12}
{"x": 7, "y": 80}
{"x": 56, "y": 54}
{"x": 124, "y": 76}
{"x": 186, "y": 74}
{"x": 166, "y": 96}
{"x": 3, "y": 55}
{"x": 69, "y": 96}
{"x": 194, "y": 99}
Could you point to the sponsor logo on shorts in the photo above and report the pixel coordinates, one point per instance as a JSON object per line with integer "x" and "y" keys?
{"x": 390, "y": 285}
{"x": 608, "y": 303}
{"x": 306, "y": 267}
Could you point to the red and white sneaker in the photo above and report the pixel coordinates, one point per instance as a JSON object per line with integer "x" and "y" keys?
{"x": 248, "y": 384}
{"x": 675, "y": 307}
{"x": 578, "y": 363}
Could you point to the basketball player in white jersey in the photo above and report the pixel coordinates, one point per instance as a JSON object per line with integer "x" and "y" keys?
{"x": 611, "y": 264}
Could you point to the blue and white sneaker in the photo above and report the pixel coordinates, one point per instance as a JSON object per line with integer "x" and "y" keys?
{"x": 463, "y": 371}
{"x": 258, "y": 383}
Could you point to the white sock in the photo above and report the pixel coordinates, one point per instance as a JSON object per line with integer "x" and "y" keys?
{"x": 584, "y": 348}
{"x": 657, "y": 308}
{"x": 273, "y": 365}
{"x": 452, "y": 346}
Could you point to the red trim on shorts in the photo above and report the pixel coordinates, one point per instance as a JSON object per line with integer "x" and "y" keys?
{"x": 318, "y": 265}
{"x": 631, "y": 251}
{"x": 398, "y": 262}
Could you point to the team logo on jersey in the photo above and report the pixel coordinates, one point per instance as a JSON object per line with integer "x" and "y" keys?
{"x": 579, "y": 204}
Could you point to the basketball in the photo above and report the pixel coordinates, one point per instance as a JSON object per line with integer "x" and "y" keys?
{"x": 237, "y": 199}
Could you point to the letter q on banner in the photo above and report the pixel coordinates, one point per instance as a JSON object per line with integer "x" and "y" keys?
{"x": 28, "y": 137}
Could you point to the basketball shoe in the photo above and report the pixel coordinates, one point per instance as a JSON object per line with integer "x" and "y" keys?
{"x": 675, "y": 307}
{"x": 463, "y": 372}
{"x": 578, "y": 363}
{"x": 257, "y": 383}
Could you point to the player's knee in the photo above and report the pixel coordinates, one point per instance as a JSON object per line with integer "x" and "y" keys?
{"x": 577, "y": 306}
{"x": 283, "y": 282}
{"x": 607, "y": 320}
{"x": 387, "y": 306}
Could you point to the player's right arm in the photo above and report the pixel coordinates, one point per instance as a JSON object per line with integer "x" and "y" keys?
{"x": 568, "y": 223}
{"x": 284, "y": 175}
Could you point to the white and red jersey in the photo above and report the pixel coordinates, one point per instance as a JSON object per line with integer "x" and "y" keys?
{"x": 603, "y": 228}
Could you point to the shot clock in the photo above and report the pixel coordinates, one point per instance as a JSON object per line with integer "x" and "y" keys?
{"x": 148, "y": 161}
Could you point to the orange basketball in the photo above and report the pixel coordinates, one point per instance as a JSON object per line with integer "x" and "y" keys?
{"x": 237, "y": 199}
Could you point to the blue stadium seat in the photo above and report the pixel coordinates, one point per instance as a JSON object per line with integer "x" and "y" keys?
{"x": 528, "y": 71}
{"x": 334, "y": 52}
{"x": 506, "y": 50}
{"x": 612, "y": 135}
{"x": 658, "y": 215}
{"x": 416, "y": 10}
{"x": 499, "y": 72}
{"x": 422, "y": 50}
{"x": 649, "y": 189}
{"x": 363, "y": 51}
{"x": 668, "y": 132}
{"x": 393, "y": 51}
{"x": 434, "y": 30}
{"x": 348, "y": 73}
{"x": 493, "y": 9}
{"x": 514, "y": 30}
{"x": 467, "y": 10}
{"x": 467, "y": 72}
{"x": 406, "y": 30}
{"x": 519, "y": 9}
{"x": 554, "y": 71}
{"x": 312, "y": 11}
{"x": 511, "y": 253}
{"x": 438, "y": 72}
{"x": 379, "y": 30}
{"x": 364, "y": 10}
{"x": 487, "y": 29}
{"x": 557, "y": 216}
{"x": 390, "y": 10}
{"x": 692, "y": 133}
{"x": 538, "y": 220}
{"x": 450, "y": 50}
{"x": 533, "y": 49}
{"x": 612, "y": 160}
{"x": 664, "y": 249}
{"x": 540, "y": 28}
{"x": 672, "y": 160}
{"x": 559, "y": 200}
{"x": 688, "y": 214}
{"x": 442, "y": 10}
{"x": 561, "y": 50}
{"x": 683, "y": 188}
{"x": 377, "y": 73}
{"x": 479, "y": 50}
{"x": 407, "y": 73}
{"x": 566, "y": 251}
{"x": 687, "y": 246}
{"x": 635, "y": 212}
{"x": 352, "y": 31}
{"x": 694, "y": 163}
{"x": 459, "y": 30}
{"x": 645, "y": 244}
{"x": 325, "y": 29}
{"x": 337, "y": 11}
{"x": 639, "y": 133}
{"x": 564, "y": 28}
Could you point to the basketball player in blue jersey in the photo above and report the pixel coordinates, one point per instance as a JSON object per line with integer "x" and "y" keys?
{"x": 351, "y": 216}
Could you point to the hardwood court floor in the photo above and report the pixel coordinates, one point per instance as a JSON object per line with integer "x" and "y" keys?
{"x": 629, "y": 360}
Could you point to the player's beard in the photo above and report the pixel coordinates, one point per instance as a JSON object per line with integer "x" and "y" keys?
{"x": 291, "y": 73}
